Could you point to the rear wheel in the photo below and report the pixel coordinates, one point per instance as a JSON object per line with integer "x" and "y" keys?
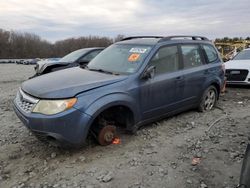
{"x": 208, "y": 99}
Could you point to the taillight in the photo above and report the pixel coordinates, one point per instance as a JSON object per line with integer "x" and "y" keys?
{"x": 223, "y": 67}
{"x": 223, "y": 86}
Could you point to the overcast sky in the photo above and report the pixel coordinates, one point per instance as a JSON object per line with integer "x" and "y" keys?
{"x": 60, "y": 19}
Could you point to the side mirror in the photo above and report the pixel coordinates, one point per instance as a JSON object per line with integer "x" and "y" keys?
{"x": 83, "y": 62}
{"x": 149, "y": 73}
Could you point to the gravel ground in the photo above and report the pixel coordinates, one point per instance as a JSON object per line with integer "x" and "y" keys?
{"x": 189, "y": 150}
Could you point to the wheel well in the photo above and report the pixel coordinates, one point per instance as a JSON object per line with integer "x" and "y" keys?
{"x": 120, "y": 116}
{"x": 217, "y": 86}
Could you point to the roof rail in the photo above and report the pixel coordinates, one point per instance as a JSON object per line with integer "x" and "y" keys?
{"x": 139, "y": 37}
{"x": 184, "y": 36}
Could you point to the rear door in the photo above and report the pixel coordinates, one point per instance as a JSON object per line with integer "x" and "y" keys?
{"x": 194, "y": 72}
{"x": 214, "y": 66}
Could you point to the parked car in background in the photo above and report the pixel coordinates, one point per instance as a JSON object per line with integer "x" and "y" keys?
{"x": 74, "y": 59}
{"x": 21, "y": 61}
{"x": 26, "y": 62}
{"x": 238, "y": 69}
{"x": 34, "y": 61}
{"x": 53, "y": 59}
{"x": 3, "y": 61}
{"x": 131, "y": 83}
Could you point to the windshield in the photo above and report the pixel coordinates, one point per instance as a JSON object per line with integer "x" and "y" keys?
{"x": 243, "y": 55}
{"x": 73, "y": 56}
{"x": 120, "y": 58}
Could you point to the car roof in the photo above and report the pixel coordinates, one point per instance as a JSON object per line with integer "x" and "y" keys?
{"x": 86, "y": 50}
{"x": 92, "y": 48}
{"x": 153, "y": 40}
{"x": 142, "y": 41}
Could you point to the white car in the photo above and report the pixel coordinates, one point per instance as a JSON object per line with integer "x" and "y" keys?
{"x": 238, "y": 69}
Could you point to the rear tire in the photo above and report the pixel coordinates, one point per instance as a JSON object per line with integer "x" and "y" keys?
{"x": 209, "y": 99}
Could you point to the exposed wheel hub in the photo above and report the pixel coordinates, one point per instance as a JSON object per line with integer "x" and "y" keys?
{"x": 106, "y": 135}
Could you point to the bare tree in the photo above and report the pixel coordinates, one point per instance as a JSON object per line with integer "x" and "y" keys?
{"x": 27, "y": 45}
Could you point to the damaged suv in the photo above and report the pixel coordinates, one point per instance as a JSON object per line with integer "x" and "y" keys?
{"x": 131, "y": 83}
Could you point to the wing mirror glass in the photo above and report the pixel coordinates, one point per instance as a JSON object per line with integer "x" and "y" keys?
{"x": 149, "y": 73}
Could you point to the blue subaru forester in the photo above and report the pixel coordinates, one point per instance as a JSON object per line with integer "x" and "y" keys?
{"x": 131, "y": 83}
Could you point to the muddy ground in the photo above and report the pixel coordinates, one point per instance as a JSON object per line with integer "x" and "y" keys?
{"x": 160, "y": 155}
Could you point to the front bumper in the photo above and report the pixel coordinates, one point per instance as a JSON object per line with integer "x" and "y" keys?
{"x": 240, "y": 78}
{"x": 69, "y": 127}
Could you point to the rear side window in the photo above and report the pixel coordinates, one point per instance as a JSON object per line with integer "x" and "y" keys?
{"x": 211, "y": 53}
{"x": 166, "y": 60}
{"x": 191, "y": 56}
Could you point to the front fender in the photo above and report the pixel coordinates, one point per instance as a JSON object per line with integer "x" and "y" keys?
{"x": 107, "y": 101}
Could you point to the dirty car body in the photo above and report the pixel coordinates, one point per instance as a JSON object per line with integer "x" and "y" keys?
{"x": 131, "y": 83}
{"x": 76, "y": 58}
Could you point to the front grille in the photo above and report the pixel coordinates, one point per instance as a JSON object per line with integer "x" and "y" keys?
{"x": 25, "y": 102}
{"x": 236, "y": 74}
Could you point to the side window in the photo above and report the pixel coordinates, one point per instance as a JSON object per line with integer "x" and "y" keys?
{"x": 90, "y": 56}
{"x": 166, "y": 60}
{"x": 211, "y": 53}
{"x": 191, "y": 56}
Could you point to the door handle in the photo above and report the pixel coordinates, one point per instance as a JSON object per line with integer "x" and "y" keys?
{"x": 207, "y": 71}
{"x": 179, "y": 78}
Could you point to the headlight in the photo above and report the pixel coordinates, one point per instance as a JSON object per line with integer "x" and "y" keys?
{"x": 50, "y": 107}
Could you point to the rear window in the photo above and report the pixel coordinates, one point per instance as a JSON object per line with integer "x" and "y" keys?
{"x": 211, "y": 53}
{"x": 191, "y": 56}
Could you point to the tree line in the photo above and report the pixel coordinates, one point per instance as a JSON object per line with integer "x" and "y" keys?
{"x": 27, "y": 45}
{"x": 234, "y": 39}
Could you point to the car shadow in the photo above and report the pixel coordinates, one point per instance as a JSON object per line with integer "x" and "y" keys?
{"x": 238, "y": 86}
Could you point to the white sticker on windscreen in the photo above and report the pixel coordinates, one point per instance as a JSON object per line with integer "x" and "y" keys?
{"x": 138, "y": 50}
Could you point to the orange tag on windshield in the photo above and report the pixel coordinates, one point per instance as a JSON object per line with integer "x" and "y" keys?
{"x": 133, "y": 57}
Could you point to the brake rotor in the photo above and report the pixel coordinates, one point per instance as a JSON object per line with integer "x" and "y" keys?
{"x": 106, "y": 135}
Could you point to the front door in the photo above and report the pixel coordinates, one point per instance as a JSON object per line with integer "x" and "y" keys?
{"x": 160, "y": 94}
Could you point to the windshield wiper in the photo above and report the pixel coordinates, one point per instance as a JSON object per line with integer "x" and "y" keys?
{"x": 101, "y": 70}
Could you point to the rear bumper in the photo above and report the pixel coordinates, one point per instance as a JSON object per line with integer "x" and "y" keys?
{"x": 69, "y": 127}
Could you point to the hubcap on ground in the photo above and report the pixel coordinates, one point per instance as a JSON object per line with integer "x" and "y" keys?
{"x": 106, "y": 135}
{"x": 210, "y": 99}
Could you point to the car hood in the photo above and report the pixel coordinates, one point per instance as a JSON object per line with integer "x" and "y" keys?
{"x": 42, "y": 65}
{"x": 238, "y": 64}
{"x": 68, "y": 83}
